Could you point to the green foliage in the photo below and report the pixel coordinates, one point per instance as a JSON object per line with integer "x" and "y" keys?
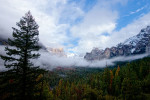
{"x": 121, "y": 83}
{"x": 126, "y": 82}
{"x": 20, "y": 82}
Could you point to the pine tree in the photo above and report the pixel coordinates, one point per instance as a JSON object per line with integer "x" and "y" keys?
{"x": 18, "y": 59}
{"x": 106, "y": 80}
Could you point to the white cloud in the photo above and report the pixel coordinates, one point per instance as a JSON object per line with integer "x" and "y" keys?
{"x": 90, "y": 31}
{"x": 55, "y": 18}
{"x": 47, "y": 13}
{"x": 138, "y": 10}
{"x": 96, "y": 22}
{"x": 51, "y": 62}
{"x": 92, "y": 36}
{"x": 128, "y": 31}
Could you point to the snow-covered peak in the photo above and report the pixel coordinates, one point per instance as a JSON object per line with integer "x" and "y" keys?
{"x": 132, "y": 41}
{"x": 132, "y": 46}
{"x": 144, "y": 33}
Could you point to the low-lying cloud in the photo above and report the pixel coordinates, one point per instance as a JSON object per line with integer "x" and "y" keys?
{"x": 49, "y": 61}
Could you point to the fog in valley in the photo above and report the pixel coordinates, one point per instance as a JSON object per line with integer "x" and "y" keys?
{"x": 50, "y": 61}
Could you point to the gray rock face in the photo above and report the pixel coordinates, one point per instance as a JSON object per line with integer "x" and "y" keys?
{"x": 95, "y": 54}
{"x": 134, "y": 45}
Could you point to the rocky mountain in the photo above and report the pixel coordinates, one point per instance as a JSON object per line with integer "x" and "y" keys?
{"x": 138, "y": 44}
{"x": 57, "y": 51}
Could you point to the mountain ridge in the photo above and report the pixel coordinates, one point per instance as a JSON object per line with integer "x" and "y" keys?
{"x": 137, "y": 44}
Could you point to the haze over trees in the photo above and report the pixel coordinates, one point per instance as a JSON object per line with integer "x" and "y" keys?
{"x": 128, "y": 82}
{"x": 24, "y": 81}
{"x": 21, "y": 73}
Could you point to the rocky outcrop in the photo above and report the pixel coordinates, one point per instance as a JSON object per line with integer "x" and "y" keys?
{"x": 132, "y": 46}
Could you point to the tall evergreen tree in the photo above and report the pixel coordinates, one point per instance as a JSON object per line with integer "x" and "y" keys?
{"x": 106, "y": 80}
{"x": 21, "y": 72}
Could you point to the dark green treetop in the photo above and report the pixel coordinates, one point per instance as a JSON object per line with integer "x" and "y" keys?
{"x": 20, "y": 51}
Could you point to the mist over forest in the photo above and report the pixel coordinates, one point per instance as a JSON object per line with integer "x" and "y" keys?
{"x": 75, "y": 50}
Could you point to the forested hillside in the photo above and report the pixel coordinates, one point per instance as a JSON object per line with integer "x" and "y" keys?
{"x": 23, "y": 79}
{"x": 128, "y": 82}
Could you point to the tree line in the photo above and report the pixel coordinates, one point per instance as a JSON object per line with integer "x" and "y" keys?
{"x": 128, "y": 82}
{"x": 24, "y": 81}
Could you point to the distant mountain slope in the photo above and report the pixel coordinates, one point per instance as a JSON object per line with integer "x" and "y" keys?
{"x": 135, "y": 45}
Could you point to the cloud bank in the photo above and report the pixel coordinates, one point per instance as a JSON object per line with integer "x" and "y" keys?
{"x": 75, "y": 26}
{"x": 49, "y": 61}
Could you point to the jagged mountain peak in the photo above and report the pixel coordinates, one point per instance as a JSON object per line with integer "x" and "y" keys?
{"x": 143, "y": 34}
{"x": 134, "y": 45}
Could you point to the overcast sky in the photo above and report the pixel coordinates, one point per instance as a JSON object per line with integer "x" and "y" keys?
{"x": 78, "y": 25}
